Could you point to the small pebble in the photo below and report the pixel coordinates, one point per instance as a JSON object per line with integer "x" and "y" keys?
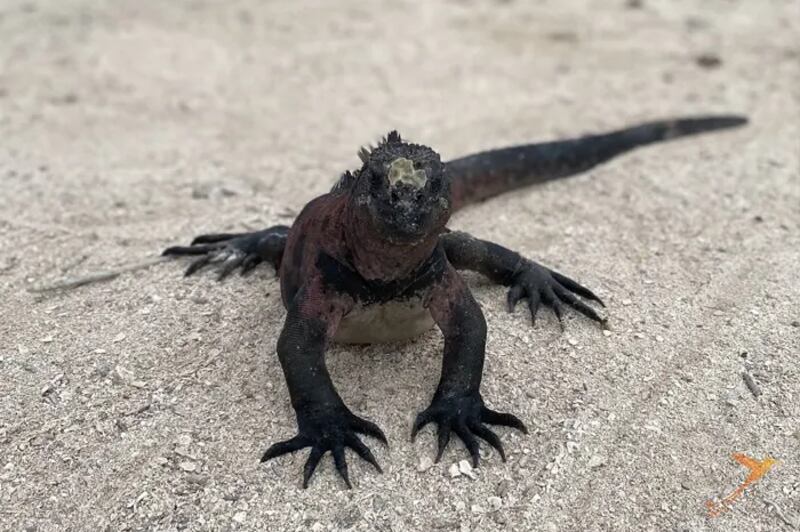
{"x": 495, "y": 502}
{"x": 708, "y": 61}
{"x": 424, "y": 464}
{"x": 477, "y": 509}
{"x": 188, "y": 466}
{"x": 503, "y": 488}
{"x": 196, "y": 479}
{"x": 627, "y": 302}
{"x": 240, "y": 517}
{"x": 453, "y": 471}
{"x": 466, "y": 469}
{"x": 596, "y": 461}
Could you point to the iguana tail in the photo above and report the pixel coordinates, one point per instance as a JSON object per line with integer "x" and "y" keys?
{"x": 489, "y": 173}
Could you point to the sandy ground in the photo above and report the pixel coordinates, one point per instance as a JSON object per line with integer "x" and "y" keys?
{"x": 144, "y": 403}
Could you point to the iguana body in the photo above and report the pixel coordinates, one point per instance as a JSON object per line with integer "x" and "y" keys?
{"x": 373, "y": 261}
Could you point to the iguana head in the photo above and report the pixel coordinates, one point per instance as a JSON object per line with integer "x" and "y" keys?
{"x": 403, "y": 188}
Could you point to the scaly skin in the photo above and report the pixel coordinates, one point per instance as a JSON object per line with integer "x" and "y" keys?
{"x": 380, "y": 236}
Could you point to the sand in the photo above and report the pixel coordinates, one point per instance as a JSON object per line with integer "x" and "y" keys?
{"x": 145, "y": 402}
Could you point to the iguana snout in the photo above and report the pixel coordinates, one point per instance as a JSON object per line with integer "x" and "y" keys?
{"x": 402, "y": 171}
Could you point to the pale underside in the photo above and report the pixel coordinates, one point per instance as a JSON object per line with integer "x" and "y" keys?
{"x": 393, "y": 321}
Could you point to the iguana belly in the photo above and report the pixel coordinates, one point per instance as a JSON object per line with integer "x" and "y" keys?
{"x": 393, "y": 321}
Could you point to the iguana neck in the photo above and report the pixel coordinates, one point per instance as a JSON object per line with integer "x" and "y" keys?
{"x": 377, "y": 258}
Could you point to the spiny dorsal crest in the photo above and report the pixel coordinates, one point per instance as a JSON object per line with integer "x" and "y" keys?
{"x": 392, "y": 137}
{"x": 365, "y": 151}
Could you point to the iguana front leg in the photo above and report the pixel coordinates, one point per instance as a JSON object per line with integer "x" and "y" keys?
{"x": 526, "y": 278}
{"x": 457, "y": 405}
{"x": 324, "y": 422}
{"x": 233, "y": 250}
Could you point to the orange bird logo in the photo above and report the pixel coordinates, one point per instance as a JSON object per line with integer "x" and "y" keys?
{"x": 757, "y": 470}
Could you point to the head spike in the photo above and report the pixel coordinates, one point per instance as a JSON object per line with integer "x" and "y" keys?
{"x": 393, "y": 137}
{"x": 363, "y": 154}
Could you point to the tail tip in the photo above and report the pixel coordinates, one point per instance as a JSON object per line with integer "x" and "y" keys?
{"x": 702, "y": 124}
{"x": 733, "y": 120}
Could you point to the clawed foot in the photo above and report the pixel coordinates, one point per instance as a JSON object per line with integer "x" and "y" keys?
{"x": 329, "y": 430}
{"x": 466, "y": 416}
{"x": 541, "y": 285}
{"x": 234, "y": 250}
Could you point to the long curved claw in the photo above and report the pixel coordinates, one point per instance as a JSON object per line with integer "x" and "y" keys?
{"x": 534, "y": 300}
{"x": 515, "y": 293}
{"x": 213, "y": 238}
{"x": 469, "y": 442}
{"x": 552, "y": 300}
{"x": 423, "y": 418}
{"x": 189, "y": 250}
{"x": 362, "y": 450}
{"x": 443, "y": 440}
{"x": 250, "y": 262}
{"x": 230, "y": 264}
{"x": 503, "y": 419}
{"x": 314, "y": 458}
{"x": 490, "y": 437}
{"x": 285, "y": 447}
{"x": 576, "y": 287}
{"x": 370, "y": 429}
{"x": 577, "y": 304}
{"x": 341, "y": 465}
{"x": 197, "y": 265}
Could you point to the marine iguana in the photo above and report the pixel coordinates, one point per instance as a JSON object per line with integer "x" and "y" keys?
{"x": 373, "y": 260}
